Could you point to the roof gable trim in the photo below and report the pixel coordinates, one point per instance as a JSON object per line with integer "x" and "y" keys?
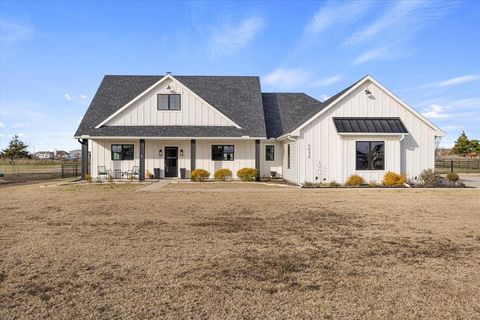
{"x": 168, "y": 76}
{"x": 296, "y": 132}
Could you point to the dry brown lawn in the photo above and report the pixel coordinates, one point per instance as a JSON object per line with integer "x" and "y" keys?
{"x": 103, "y": 251}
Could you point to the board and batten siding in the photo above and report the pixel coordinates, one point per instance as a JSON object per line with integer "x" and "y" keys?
{"x": 276, "y": 164}
{"x": 102, "y": 155}
{"x": 194, "y": 111}
{"x": 290, "y": 174}
{"x": 332, "y": 156}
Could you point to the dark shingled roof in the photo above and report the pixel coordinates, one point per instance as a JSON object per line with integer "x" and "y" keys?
{"x": 168, "y": 131}
{"x": 238, "y": 98}
{"x": 284, "y": 112}
{"x": 369, "y": 125}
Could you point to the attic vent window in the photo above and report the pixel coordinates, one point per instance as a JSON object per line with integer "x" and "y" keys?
{"x": 169, "y": 102}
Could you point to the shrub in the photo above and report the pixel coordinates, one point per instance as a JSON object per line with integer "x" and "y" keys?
{"x": 429, "y": 178}
{"x": 247, "y": 174}
{"x": 372, "y": 184}
{"x": 452, "y": 177}
{"x": 200, "y": 175}
{"x": 354, "y": 180}
{"x": 223, "y": 174}
{"x": 334, "y": 184}
{"x": 88, "y": 178}
{"x": 391, "y": 179}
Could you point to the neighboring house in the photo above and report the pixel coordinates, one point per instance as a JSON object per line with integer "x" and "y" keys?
{"x": 60, "y": 155}
{"x": 212, "y": 122}
{"x": 75, "y": 154}
{"x": 44, "y": 155}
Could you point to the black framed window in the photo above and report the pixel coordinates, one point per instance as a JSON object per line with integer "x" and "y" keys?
{"x": 222, "y": 152}
{"x": 370, "y": 155}
{"x": 270, "y": 153}
{"x": 288, "y": 156}
{"x": 169, "y": 102}
{"x": 122, "y": 152}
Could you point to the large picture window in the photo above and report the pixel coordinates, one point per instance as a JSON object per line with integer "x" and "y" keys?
{"x": 122, "y": 151}
{"x": 370, "y": 155}
{"x": 169, "y": 102}
{"x": 222, "y": 152}
{"x": 269, "y": 153}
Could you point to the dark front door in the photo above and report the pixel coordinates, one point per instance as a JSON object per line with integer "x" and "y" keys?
{"x": 171, "y": 162}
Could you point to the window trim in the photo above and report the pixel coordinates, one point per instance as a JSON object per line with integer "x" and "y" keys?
{"x": 369, "y": 157}
{"x": 273, "y": 152}
{"x": 122, "y": 153}
{"x": 169, "y": 108}
{"x": 223, "y": 146}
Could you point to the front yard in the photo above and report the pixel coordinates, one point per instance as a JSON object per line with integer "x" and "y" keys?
{"x": 239, "y": 252}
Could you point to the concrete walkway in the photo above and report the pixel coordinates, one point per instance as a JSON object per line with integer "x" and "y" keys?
{"x": 154, "y": 186}
{"x": 470, "y": 180}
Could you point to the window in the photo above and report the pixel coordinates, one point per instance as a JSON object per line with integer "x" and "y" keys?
{"x": 269, "y": 153}
{"x": 370, "y": 155}
{"x": 222, "y": 153}
{"x": 122, "y": 151}
{"x": 288, "y": 156}
{"x": 169, "y": 102}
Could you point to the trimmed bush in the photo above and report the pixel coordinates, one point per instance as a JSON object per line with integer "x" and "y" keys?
{"x": 334, "y": 184}
{"x": 88, "y": 178}
{"x": 452, "y": 177}
{"x": 429, "y": 178}
{"x": 223, "y": 174}
{"x": 149, "y": 175}
{"x": 391, "y": 179}
{"x": 200, "y": 175}
{"x": 247, "y": 174}
{"x": 354, "y": 180}
{"x": 372, "y": 184}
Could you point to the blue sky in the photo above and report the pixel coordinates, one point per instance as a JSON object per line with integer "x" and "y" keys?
{"x": 53, "y": 55}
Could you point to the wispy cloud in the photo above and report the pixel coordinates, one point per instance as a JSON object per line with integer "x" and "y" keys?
{"x": 84, "y": 97}
{"x": 2, "y": 125}
{"x": 396, "y": 27}
{"x": 452, "y": 81}
{"x": 324, "y": 97}
{"x": 327, "y": 81}
{"x": 227, "y": 39}
{"x": 435, "y": 111}
{"x": 287, "y": 78}
{"x": 11, "y": 32}
{"x": 18, "y": 125}
{"x": 67, "y": 97}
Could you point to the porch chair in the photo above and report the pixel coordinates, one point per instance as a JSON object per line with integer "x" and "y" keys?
{"x": 135, "y": 172}
{"x": 103, "y": 171}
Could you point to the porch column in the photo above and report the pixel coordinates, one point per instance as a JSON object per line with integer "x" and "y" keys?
{"x": 141, "y": 173}
{"x": 84, "y": 143}
{"x": 257, "y": 158}
{"x": 193, "y": 154}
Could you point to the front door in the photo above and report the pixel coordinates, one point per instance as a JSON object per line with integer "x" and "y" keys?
{"x": 171, "y": 162}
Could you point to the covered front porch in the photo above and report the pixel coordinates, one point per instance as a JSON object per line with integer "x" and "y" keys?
{"x": 167, "y": 158}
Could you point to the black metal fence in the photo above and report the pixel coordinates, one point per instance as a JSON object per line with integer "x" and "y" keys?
{"x": 457, "y": 165}
{"x": 28, "y": 172}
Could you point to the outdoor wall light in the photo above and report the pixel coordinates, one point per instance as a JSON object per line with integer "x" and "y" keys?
{"x": 367, "y": 92}
{"x": 160, "y": 152}
{"x": 181, "y": 152}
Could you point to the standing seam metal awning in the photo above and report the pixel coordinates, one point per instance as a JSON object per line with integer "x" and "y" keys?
{"x": 370, "y": 125}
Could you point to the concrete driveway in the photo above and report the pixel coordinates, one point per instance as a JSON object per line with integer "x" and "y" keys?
{"x": 470, "y": 180}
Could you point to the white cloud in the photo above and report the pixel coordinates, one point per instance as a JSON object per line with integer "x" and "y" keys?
{"x": 435, "y": 111}
{"x": 287, "y": 78}
{"x": 67, "y": 97}
{"x": 11, "y": 32}
{"x": 324, "y": 97}
{"x": 82, "y": 96}
{"x": 391, "y": 32}
{"x": 228, "y": 39}
{"x": 460, "y": 80}
{"x": 2, "y": 125}
{"x": 327, "y": 81}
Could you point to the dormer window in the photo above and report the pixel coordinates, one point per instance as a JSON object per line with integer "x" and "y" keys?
{"x": 169, "y": 102}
